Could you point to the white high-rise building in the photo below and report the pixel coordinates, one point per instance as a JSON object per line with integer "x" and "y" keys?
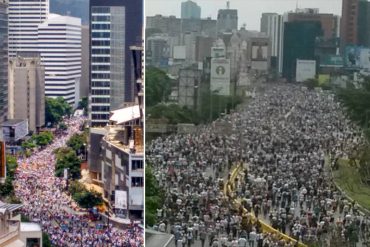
{"x": 59, "y": 44}
{"x": 270, "y": 25}
{"x": 24, "y": 18}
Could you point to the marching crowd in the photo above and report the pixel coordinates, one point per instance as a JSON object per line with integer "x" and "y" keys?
{"x": 284, "y": 138}
{"x": 45, "y": 201}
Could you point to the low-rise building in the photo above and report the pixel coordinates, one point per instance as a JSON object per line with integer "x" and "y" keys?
{"x": 13, "y": 232}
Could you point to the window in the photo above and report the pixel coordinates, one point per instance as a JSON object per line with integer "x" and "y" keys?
{"x": 136, "y": 165}
{"x": 137, "y": 182}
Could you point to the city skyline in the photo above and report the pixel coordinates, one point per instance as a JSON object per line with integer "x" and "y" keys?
{"x": 250, "y": 16}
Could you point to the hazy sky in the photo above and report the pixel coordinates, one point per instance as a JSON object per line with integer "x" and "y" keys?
{"x": 249, "y": 11}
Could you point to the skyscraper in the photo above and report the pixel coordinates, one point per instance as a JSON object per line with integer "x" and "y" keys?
{"x": 271, "y": 25}
{"x": 190, "y": 10}
{"x": 115, "y": 25}
{"x": 59, "y": 43}
{"x": 24, "y": 18}
{"x": 227, "y": 19}
{"x": 3, "y": 61}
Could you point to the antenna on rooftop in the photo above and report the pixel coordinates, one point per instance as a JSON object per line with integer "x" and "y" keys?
{"x": 228, "y": 4}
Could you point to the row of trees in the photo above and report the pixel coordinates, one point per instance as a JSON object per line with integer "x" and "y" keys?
{"x": 355, "y": 99}
{"x": 153, "y": 196}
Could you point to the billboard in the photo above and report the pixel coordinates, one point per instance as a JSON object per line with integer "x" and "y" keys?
{"x": 306, "y": 69}
{"x": 220, "y": 76}
{"x": 120, "y": 200}
{"x": 259, "y": 55}
{"x": 357, "y": 57}
{"x": 259, "y": 51}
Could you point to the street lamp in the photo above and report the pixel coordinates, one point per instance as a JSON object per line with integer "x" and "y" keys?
{"x": 85, "y": 150}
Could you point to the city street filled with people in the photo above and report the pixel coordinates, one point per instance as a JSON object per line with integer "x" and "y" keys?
{"x": 286, "y": 139}
{"x": 45, "y": 201}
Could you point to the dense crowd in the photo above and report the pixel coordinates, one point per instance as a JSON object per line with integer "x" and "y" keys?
{"x": 45, "y": 201}
{"x": 284, "y": 138}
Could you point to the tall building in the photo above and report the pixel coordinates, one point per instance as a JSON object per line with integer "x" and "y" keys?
{"x": 348, "y": 32}
{"x": 24, "y": 18}
{"x": 299, "y": 43}
{"x": 3, "y": 61}
{"x": 115, "y": 25}
{"x": 59, "y": 43}
{"x": 27, "y": 91}
{"x": 85, "y": 61}
{"x": 363, "y": 27}
{"x": 271, "y": 26}
{"x": 190, "y": 10}
{"x": 227, "y": 19}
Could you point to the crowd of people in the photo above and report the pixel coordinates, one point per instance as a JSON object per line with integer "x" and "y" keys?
{"x": 45, "y": 201}
{"x": 285, "y": 138}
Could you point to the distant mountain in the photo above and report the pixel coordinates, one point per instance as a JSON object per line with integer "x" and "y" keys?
{"x": 76, "y": 8}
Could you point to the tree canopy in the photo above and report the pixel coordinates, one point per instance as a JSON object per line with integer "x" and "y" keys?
{"x": 67, "y": 158}
{"x": 84, "y": 197}
{"x": 356, "y": 102}
{"x": 153, "y": 196}
{"x": 77, "y": 141}
{"x": 55, "y": 109}
{"x": 157, "y": 86}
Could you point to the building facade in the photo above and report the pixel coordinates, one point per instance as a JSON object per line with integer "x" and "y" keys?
{"x": 3, "y": 61}
{"x": 85, "y": 62}
{"x": 348, "y": 32}
{"x": 190, "y": 10}
{"x": 27, "y": 91}
{"x": 227, "y": 20}
{"x": 271, "y": 26}
{"x": 114, "y": 27}
{"x": 59, "y": 43}
{"x": 24, "y": 18}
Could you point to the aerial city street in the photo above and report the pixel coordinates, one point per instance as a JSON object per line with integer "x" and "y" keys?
{"x": 257, "y": 138}
{"x": 71, "y": 123}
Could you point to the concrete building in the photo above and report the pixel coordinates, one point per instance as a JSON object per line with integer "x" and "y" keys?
{"x": 27, "y": 91}
{"x": 3, "y": 61}
{"x": 190, "y": 10}
{"x": 203, "y": 47}
{"x": 271, "y": 26}
{"x": 227, "y": 19}
{"x": 115, "y": 25}
{"x": 59, "y": 44}
{"x": 348, "y": 31}
{"x": 14, "y": 130}
{"x": 189, "y": 87}
{"x": 157, "y": 50}
{"x": 85, "y": 62}
{"x": 363, "y": 27}
{"x": 174, "y": 26}
{"x": 24, "y": 18}
{"x": 13, "y": 232}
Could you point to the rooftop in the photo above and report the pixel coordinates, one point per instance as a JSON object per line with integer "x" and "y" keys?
{"x": 12, "y": 122}
{"x": 30, "y": 227}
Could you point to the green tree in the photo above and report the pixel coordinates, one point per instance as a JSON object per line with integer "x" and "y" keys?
{"x": 43, "y": 139}
{"x": 63, "y": 126}
{"x": 157, "y": 86}
{"x": 77, "y": 141}
{"x": 153, "y": 196}
{"x": 83, "y": 104}
{"x": 66, "y": 158}
{"x": 46, "y": 240}
{"x": 55, "y": 109}
{"x": 84, "y": 197}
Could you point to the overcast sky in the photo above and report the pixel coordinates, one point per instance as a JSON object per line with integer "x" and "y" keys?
{"x": 249, "y": 11}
